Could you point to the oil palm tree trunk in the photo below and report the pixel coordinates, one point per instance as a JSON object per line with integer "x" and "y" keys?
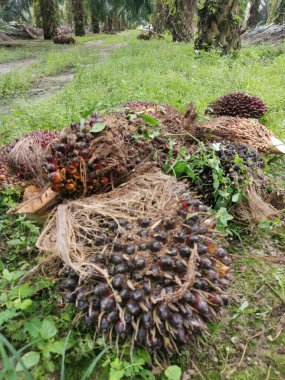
{"x": 253, "y": 13}
{"x": 181, "y": 20}
{"x": 219, "y": 26}
{"x": 48, "y": 10}
{"x": 78, "y": 14}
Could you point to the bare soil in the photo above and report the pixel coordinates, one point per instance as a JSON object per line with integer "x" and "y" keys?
{"x": 6, "y": 68}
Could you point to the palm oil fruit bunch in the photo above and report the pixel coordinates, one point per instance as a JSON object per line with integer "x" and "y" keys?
{"x": 238, "y": 104}
{"x": 237, "y": 161}
{"x": 99, "y": 155}
{"x": 151, "y": 283}
{"x": 64, "y": 39}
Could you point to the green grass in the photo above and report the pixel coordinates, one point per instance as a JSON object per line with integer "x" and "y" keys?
{"x": 249, "y": 341}
{"x": 164, "y": 72}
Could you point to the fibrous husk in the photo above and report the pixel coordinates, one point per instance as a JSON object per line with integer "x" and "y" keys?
{"x": 22, "y": 159}
{"x": 238, "y": 104}
{"x": 254, "y": 208}
{"x": 239, "y": 130}
{"x": 140, "y": 263}
{"x": 173, "y": 121}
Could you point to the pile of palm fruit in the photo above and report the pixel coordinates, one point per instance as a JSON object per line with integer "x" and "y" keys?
{"x": 100, "y": 154}
{"x": 135, "y": 273}
{"x": 142, "y": 263}
{"x": 238, "y": 104}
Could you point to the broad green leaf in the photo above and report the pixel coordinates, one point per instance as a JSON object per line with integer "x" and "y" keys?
{"x": 48, "y": 329}
{"x": 7, "y": 315}
{"x": 183, "y": 168}
{"x": 98, "y": 127}
{"x": 33, "y": 327}
{"x": 149, "y": 119}
{"x": 26, "y": 304}
{"x": 223, "y": 216}
{"x": 116, "y": 374}
{"x": 173, "y": 372}
{"x": 236, "y": 197}
{"x": 13, "y": 242}
{"x": 49, "y": 366}
{"x": 30, "y": 359}
{"x": 57, "y": 347}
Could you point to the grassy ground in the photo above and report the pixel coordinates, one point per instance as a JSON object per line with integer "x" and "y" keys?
{"x": 249, "y": 341}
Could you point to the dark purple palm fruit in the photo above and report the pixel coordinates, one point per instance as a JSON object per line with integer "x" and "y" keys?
{"x": 238, "y": 104}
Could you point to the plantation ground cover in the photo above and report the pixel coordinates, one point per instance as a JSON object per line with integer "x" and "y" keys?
{"x": 249, "y": 342}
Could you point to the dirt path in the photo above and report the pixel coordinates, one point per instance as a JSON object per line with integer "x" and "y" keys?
{"x": 6, "y": 68}
{"x": 45, "y": 88}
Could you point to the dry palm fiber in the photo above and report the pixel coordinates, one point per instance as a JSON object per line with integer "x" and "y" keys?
{"x": 238, "y": 104}
{"x": 239, "y": 130}
{"x": 140, "y": 263}
{"x": 172, "y": 120}
{"x": 22, "y": 159}
{"x": 25, "y": 156}
{"x": 254, "y": 209}
{"x": 100, "y": 154}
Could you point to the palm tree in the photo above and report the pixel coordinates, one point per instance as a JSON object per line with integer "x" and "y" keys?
{"x": 115, "y": 14}
{"x": 181, "y": 20}
{"x": 49, "y": 15}
{"x": 280, "y": 13}
{"x": 253, "y": 13}
{"x": 78, "y": 14}
{"x": 219, "y": 25}
{"x": 11, "y": 10}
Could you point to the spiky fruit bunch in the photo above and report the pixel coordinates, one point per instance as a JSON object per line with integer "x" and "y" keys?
{"x": 152, "y": 283}
{"x": 238, "y": 104}
{"x": 236, "y": 163}
{"x": 99, "y": 155}
{"x": 63, "y": 39}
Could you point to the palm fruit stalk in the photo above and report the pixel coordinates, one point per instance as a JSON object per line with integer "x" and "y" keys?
{"x": 151, "y": 284}
{"x": 238, "y": 104}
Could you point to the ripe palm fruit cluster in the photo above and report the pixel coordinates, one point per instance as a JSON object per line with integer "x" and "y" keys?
{"x": 238, "y": 163}
{"x": 152, "y": 284}
{"x": 64, "y": 39}
{"x": 238, "y": 104}
{"x": 99, "y": 155}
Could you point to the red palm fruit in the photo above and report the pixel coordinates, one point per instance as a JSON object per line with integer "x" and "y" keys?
{"x": 238, "y": 104}
{"x": 70, "y": 186}
{"x": 54, "y": 177}
{"x": 75, "y": 162}
{"x": 71, "y": 169}
{"x": 105, "y": 181}
{"x": 56, "y": 188}
{"x": 85, "y": 154}
{"x": 212, "y": 246}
